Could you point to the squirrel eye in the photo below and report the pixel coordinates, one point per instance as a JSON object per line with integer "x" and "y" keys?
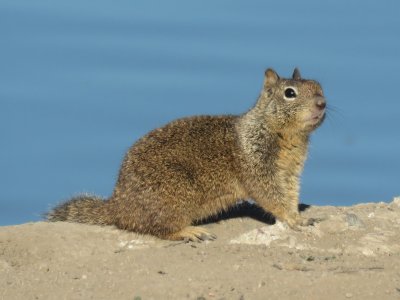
{"x": 290, "y": 93}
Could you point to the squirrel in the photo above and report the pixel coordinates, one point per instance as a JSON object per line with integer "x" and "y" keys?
{"x": 197, "y": 167}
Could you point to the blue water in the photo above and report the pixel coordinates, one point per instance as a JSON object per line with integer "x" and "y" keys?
{"x": 80, "y": 81}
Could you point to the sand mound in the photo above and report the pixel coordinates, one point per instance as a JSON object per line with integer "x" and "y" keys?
{"x": 351, "y": 252}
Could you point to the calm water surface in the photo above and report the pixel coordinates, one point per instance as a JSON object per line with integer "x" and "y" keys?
{"x": 80, "y": 81}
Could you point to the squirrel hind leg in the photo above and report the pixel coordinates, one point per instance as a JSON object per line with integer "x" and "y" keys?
{"x": 192, "y": 233}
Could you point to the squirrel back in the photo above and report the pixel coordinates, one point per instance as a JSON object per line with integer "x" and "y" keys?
{"x": 196, "y": 167}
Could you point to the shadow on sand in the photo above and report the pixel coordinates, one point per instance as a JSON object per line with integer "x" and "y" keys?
{"x": 246, "y": 209}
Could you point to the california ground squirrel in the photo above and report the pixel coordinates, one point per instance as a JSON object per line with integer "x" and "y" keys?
{"x": 196, "y": 167}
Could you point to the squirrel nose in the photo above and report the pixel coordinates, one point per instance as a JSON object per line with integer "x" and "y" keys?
{"x": 320, "y": 103}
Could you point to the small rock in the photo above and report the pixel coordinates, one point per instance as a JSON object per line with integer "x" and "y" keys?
{"x": 264, "y": 235}
{"x": 396, "y": 201}
{"x": 371, "y": 215}
{"x": 354, "y": 220}
{"x": 367, "y": 252}
{"x": 307, "y": 257}
{"x": 310, "y": 258}
{"x": 349, "y": 295}
{"x": 261, "y": 284}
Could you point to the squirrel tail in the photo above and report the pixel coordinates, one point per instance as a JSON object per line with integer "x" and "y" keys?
{"x": 84, "y": 208}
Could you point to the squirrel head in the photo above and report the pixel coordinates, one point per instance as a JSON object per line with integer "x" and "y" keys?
{"x": 293, "y": 104}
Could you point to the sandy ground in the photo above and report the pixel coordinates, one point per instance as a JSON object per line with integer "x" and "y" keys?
{"x": 351, "y": 253}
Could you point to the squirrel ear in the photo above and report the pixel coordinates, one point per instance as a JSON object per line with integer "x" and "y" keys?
{"x": 271, "y": 77}
{"x": 296, "y": 74}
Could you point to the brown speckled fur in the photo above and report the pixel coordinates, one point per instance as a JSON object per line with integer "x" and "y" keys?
{"x": 195, "y": 167}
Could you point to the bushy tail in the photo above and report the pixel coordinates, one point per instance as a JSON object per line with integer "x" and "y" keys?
{"x": 81, "y": 209}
